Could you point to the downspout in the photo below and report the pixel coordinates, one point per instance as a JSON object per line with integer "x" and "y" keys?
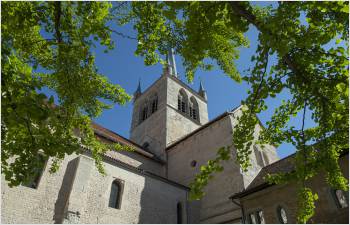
{"x": 187, "y": 205}
{"x": 242, "y": 209}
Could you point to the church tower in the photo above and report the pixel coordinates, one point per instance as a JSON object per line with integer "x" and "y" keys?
{"x": 166, "y": 111}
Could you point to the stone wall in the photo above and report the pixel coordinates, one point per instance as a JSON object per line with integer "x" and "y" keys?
{"x": 167, "y": 124}
{"x": 42, "y": 205}
{"x": 178, "y": 126}
{"x": 270, "y": 198}
{"x": 78, "y": 193}
{"x": 144, "y": 200}
{"x": 202, "y": 146}
{"x": 153, "y": 129}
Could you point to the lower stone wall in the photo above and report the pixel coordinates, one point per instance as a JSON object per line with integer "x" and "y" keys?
{"x": 42, "y": 205}
{"x": 78, "y": 193}
{"x": 144, "y": 200}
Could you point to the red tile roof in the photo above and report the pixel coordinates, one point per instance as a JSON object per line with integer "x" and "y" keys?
{"x": 114, "y": 137}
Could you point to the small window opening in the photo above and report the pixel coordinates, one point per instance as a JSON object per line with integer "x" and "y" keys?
{"x": 193, "y": 108}
{"x": 145, "y": 145}
{"x": 144, "y": 113}
{"x": 179, "y": 213}
{"x": 194, "y": 114}
{"x": 252, "y": 218}
{"x": 183, "y": 107}
{"x": 260, "y": 216}
{"x": 341, "y": 198}
{"x": 115, "y": 196}
{"x": 282, "y": 215}
{"x": 154, "y": 104}
{"x": 193, "y": 163}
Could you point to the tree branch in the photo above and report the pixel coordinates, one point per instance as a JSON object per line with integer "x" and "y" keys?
{"x": 121, "y": 34}
{"x": 287, "y": 59}
{"x": 57, "y": 21}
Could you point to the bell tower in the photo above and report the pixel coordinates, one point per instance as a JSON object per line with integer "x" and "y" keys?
{"x": 166, "y": 111}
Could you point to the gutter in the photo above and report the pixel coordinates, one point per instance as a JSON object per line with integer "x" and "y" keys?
{"x": 242, "y": 209}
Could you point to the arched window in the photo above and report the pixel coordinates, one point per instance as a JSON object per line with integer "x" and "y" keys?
{"x": 154, "y": 103}
{"x": 144, "y": 112}
{"x": 341, "y": 198}
{"x": 182, "y": 101}
{"x": 179, "y": 212}
{"x": 116, "y": 194}
{"x": 258, "y": 156}
{"x": 282, "y": 215}
{"x": 256, "y": 217}
{"x": 194, "y": 112}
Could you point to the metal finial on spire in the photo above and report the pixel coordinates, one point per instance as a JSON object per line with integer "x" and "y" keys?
{"x": 201, "y": 88}
{"x": 202, "y": 91}
{"x": 171, "y": 64}
{"x": 172, "y": 55}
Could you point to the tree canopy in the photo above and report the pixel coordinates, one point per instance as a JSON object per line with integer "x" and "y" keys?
{"x": 297, "y": 34}
{"x": 48, "y": 45}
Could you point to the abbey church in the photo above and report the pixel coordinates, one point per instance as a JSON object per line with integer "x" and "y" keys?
{"x": 172, "y": 137}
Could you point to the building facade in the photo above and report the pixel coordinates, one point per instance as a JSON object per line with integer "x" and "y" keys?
{"x": 261, "y": 202}
{"x": 172, "y": 137}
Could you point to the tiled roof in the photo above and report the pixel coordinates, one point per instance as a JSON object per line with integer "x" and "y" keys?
{"x": 284, "y": 165}
{"x": 114, "y": 137}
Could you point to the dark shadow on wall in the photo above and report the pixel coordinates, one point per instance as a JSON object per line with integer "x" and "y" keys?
{"x": 160, "y": 206}
{"x": 156, "y": 206}
{"x": 65, "y": 190}
{"x": 164, "y": 202}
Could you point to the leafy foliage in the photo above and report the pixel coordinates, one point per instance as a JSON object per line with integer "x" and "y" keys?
{"x": 47, "y": 45}
{"x": 206, "y": 172}
{"x": 306, "y": 204}
{"x": 307, "y": 38}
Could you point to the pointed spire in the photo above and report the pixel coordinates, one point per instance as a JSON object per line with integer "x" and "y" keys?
{"x": 138, "y": 92}
{"x": 202, "y": 91}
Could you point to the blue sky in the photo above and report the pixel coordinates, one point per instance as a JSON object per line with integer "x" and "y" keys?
{"x": 122, "y": 67}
